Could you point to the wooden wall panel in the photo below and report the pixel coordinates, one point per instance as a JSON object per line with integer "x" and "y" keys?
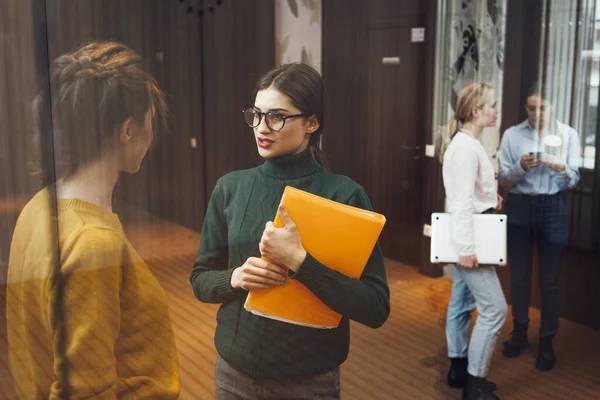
{"x": 18, "y": 85}
{"x": 377, "y": 123}
{"x": 17, "y": 91}
{"x": 167, "y": 36}
{"x": 238, "y": 40}
{"x": 433, "y": 201}
{"x": 183, "y": 50}
{"x": 433, "y": 189}
{"x": 343, "y": 39}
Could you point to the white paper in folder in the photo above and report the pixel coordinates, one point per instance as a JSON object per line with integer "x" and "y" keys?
{"x": 490, "y": 239}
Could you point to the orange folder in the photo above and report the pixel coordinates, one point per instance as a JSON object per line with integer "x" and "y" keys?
{"x": 339, "y": 236}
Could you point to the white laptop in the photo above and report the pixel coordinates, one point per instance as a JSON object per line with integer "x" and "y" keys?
{"x": 490, "y": 239}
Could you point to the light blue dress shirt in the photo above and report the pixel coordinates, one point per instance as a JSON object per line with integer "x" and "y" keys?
{"x": 522, "y": 139}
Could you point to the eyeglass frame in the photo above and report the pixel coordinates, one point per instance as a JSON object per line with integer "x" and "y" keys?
{"x": 261, "y": 114}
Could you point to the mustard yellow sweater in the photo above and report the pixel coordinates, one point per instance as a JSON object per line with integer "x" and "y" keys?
{"x": 119, "y": 339}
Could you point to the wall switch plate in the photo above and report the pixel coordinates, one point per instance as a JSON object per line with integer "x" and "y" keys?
{"x": 427, "y": 230}
{"x": 390, "y": 60}
{"x": 417, "y": 34}
{"x": 430, "y": 150}
{"x": 193, "y": 143}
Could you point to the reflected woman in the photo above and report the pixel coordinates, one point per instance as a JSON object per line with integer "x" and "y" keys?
{"x": 118, "y": 339}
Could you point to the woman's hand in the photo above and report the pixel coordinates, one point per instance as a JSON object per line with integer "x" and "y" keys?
{"x": 283, "y": 246}
{"x": 468, "y": 261}
{"x": 257, "y": 273}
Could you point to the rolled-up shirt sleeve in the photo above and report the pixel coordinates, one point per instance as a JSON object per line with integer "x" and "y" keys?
{"x": 511, "y": 171}
{"x": 569, "y": 178}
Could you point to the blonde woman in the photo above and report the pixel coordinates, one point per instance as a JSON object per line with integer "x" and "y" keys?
{"x": 470, "y": 187}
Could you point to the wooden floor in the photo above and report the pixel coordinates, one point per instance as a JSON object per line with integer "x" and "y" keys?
{"x": 405, "y": 359}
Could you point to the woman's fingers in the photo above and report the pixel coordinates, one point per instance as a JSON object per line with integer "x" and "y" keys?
{"x": 267, "y": 265}
{"x": 260, "y": 275}
{"x": 257, "y": 273}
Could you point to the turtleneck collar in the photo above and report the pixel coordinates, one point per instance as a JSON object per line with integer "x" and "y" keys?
{"x": 291, "y": 166}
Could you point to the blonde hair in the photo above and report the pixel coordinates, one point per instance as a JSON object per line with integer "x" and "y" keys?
{"x": 474, "y": 95}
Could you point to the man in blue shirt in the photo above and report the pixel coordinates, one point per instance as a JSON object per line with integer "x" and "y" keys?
{"x": 539, "y": 161}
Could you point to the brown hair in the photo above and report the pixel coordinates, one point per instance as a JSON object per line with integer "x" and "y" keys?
{"x": 538, "y": 89}
{"x": 94, "y": 91}
{"x": 304, "y": 86}
{"x": 471, "y": 96}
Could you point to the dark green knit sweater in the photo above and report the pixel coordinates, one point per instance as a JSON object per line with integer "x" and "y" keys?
{"x": 240, "y": 206}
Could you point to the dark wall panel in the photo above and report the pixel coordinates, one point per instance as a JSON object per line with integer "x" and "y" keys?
{"x": 377, "y": 123}
{"x": 18, "y": 84}
{"x": 167, "y": 36}
{"x": 238, "y": 48}
{"x": 207, "y": 70}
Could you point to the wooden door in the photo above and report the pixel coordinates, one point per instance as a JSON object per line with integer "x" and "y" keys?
{"x": 395, "y": 134}
{"x": 378, "y": 121}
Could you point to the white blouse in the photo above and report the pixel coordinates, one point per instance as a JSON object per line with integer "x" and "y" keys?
{"x": 470, "y": 186}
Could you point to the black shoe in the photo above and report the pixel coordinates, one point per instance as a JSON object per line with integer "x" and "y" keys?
{"x": 545, "y": 359}
{"x": 457, "y": 376}
{"x": 478, "y": 389}
{"x": 517, "y": 341}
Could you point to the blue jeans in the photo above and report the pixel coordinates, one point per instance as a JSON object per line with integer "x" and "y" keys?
{"x": 540, "y": 220}
{"x": 475, "y": 288}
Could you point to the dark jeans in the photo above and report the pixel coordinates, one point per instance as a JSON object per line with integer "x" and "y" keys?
{"x": 541, "y": 220}
{"x": 230, "y": 384}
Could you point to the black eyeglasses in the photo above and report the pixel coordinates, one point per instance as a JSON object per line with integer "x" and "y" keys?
{"x": 275, "y": 121}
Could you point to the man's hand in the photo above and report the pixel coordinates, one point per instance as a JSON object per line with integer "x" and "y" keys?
{"x": 529, "y": 162}
{"x": 556, "y": 167}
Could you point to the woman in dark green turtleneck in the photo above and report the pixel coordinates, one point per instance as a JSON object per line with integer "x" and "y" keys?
{"x": 261, "y": 358}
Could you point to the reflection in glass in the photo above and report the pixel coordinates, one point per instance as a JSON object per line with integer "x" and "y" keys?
{"x": 113, "y": 314}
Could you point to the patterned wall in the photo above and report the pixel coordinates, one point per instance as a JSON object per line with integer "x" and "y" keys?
{"x": 477, "y": 53}
{"x": 298, "y": 32}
